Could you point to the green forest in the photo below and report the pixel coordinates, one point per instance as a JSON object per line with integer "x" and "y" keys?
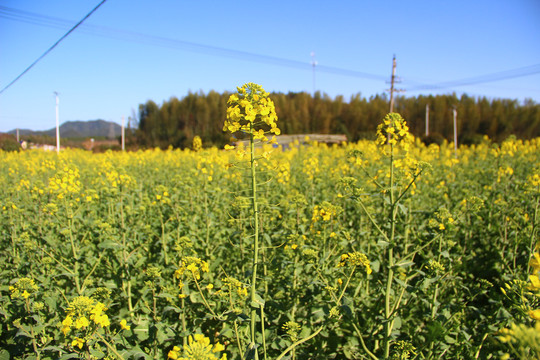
{"x": 175, "y": 122}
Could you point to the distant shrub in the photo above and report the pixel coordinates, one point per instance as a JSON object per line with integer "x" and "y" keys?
{"x": 472, "y": 139}
{"x": 104, "y": 147}
{"x": 9, "y": 143}
{"x": 433, "y": 138}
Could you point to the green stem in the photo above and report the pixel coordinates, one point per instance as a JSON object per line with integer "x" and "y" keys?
{"x": 110, "y": 347}
{"x": 387, "y": 299}
{"x": 32, "y": 333}
{"x": 183, "y": 319}
{"x": 203, "y": 297}
{"x": 533, "y": 232}
{"x": 74, "y": 252}
{"x": 372, "y": 220}
{"x": 262, "y": 331}
{"x": 207, "y": 218}
{"x": 255, "y": 246}
{"x": 361, "y": 337}
{"x": 163, "y": 239}
{"x": 126, "y": 284}
{"x": 300, "y": 342}
{"x": 238, "y": 342}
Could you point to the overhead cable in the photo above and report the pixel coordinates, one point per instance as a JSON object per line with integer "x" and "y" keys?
{"x": 37, "y": 19}
{"x": 53, "y": 46}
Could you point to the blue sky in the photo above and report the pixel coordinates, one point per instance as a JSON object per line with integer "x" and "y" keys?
{"x": 131, "y": 51}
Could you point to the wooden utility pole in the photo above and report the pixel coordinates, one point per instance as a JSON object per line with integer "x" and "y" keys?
{"x": 454, "y": 110}
{"x": 123, "y": 136}
{"x": 57, "y": 125}
{"x": 393, "y": 81}
{"x": 427, "y": 119}
{"x": 392, "y": 84}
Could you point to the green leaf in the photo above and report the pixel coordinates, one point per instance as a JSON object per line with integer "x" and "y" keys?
{"x": 382, "y": 243}
{"x": 69, "y": 356}
{"x": 4, "y": 354}
{"x": 404, "y": 264}
{"x": 257, "y": 302}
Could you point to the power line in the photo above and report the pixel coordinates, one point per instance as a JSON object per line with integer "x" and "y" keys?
{"x": 36, "y": 19}
{"x": 502, "y": 75}
{"x": 123, "y": 35}
{"x": 53, "y": 46}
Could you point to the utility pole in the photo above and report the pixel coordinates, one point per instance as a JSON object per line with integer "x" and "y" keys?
{"x": 123, "y": 135}
{"x": 314, "y": 64}
{"x": 427, "y": 119}
{"x": 392, "y": 84}
{"x": 57, "y": 126}
{"x": 17, "y": 134}
{"x": 454, "y": 111}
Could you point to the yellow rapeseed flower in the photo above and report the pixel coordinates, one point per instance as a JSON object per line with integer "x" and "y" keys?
{"x": 394, "y": 130}
{"x": 194, "y": 265}
{"x": 24, "y": 287}
{"x": 124, "y": 325}
{"x": 199, "y": 347}
{"x": 252, "y": 112}
{"x": 78, "y": 342}
{"x": 355, "y": 259}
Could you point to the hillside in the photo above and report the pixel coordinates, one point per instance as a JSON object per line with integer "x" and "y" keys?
{"x": 79, "y": 129}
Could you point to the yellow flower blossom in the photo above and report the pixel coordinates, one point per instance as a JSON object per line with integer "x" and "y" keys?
{"x": 194, "y": 265}
{"x": 252, "y": 112}
{"x": 84, "y": 314}
{"x": 78, "y": 342}
{"x": 124, "y": 325}
{"x": 535, "y": 314}
{"x": 24, "y": 287}
{"x": 355, "y": 259}
{"x": 394, "y": 130}
{"x": 535, "y": 262}
{"x": 199, "y": 347}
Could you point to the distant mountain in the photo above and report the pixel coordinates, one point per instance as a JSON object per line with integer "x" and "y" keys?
{"x": 79, "y": 129}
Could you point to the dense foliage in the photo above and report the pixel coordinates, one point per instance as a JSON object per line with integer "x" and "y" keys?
{"x": 176, "y": 121}
{"x": 367, "y": 251}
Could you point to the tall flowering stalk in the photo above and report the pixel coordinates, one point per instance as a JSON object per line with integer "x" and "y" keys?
{"x": 393, "y": 131}
{"x": 394, "y": 138}
{"x": 251, "y": 112}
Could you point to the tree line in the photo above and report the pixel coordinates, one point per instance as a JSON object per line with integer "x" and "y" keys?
{"x": 175, "y": 122}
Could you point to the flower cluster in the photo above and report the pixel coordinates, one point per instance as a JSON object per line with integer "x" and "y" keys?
{"x": 162, "y": 196}
{"x": 23, "y": 288}
{"x": 251, "y": 111}
{"x": 403, "y": 350}
{"x": 504, "y": 173}
{"x": 232, "y": 285}
{"x": 325, "y": 212}
{"x": 434, "y": 267}
{"x": 311, "y": 167}
{"x": 533, "y": 182}
{"x": 197, "y": 143}
{"x": 114, "y": 180}
{"x": 292, "y": 328}
{"x": 443, "y": 220}
{"x": 85, "y": 313}
{"x": 198, "y": 348}
{"x": 394, "y": 130}
{"x": 521, "y": 336}
{"x": 355, "y": 259}
{"x": 65, "y": 182}
{"x": 192, "y": 264}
